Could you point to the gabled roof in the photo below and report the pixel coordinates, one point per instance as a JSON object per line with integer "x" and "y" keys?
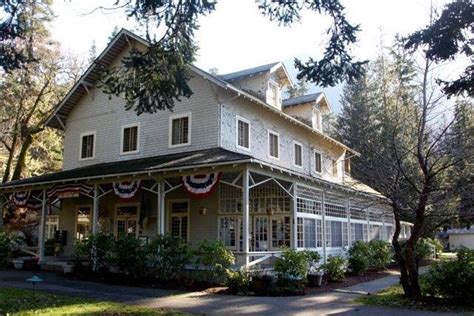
{"x": 308, "y": 98}
{"x": 122, "y": 39}
{"x": 279, "y": 67}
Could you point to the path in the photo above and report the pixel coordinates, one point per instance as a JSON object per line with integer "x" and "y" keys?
{"x": 202, "y": 303}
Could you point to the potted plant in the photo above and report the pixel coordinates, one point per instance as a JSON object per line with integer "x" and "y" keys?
{"x": 315, "y": 269}
{"x": 18, "y": 264}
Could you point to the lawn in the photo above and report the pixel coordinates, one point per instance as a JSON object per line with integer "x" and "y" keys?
{"x": 22, "y": 302}
{"x": 393, "y": 298}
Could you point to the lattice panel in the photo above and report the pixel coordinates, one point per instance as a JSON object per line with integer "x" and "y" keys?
{"x": 335, "y": 210}
{"x": 357, "y": 213}
{"x": 308, "y": 206}
{"x": 308, "y": 193}
{"x": 375, "y": 216}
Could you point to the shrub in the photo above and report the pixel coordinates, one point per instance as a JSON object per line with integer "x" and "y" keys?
{"x": 292, "y": 264}
{"x": 167, "y": 256}
{"x": 238, "y": 282}
{"x": 335, "y": 268}
{"x": 438, "y": 246}
{"x": 49, "y": 247}
{"x": 423, "y": 250}
{"x": 380, "y": 254}
{"x": 451, "y": 279}
{"x": 6, "y": 241}
{"x": 359, "y": 257}
{"x": 287, "y": 286}
{"x": 128, "y": 256}
{"x": 95, "y": 248}
{"x": 215, "y": 258}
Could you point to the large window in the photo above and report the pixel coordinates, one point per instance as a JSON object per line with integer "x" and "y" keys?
{"x": 87, "y": 146}
{"x": 228, "y": 230}
{"x": 298, "y": 154}
{"x": 334, "y": 167}
{"x": 130, "y": 139}
{"x": 126, "y": 220}
{"x": 358, "y": 232}
{"x": 273, "y": 145}
{"x": 309, "y": 233}
{"x": 336, "y": 234}
{"x": 52, "y": 225}
{"x": 317, "y": 162}
{"x": 243, "y": 133}
{"x": 180, "y": 130}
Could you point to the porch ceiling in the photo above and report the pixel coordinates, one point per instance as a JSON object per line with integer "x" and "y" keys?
{"x": 208, "y": 157}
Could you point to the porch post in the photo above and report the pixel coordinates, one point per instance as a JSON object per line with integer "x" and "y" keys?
{"x": 95, "y": 210}
{"x": 160, "y": 207}
{"x": 245, "y": 215}
{"x": 41, "y": 228}
{"x": 323, "y": 222}
{"x": 349, "y": 228}
{"x": 294, "y": 234}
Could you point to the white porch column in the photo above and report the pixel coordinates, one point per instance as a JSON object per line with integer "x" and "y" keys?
{"x": 294, "y": 234}
{"x": 245, "y": 214}
{"x": 368, "y": 223}
{"x": 349, "y": 228}
{"x": 160, "y": 207}
{"x": 323, "y": 222}
{"x": 41, "y": 228}
{"x": 95, "y": 210}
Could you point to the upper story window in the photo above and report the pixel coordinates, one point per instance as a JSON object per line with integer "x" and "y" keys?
{"x": 347, "y": 166}
{"x": 180, "y": 130}
{"x": 273, "y": 93}
{"x": 317, "y": 119}
{"x": 243, "y": 133}
{"x": 273, "y": 144}
{"x": 298, "y": 154}
{"x": 130, "y": 135}
{"x": 318, "y": 159}
{"x": 334, "y": 167}
{"x": 87, "y": 146}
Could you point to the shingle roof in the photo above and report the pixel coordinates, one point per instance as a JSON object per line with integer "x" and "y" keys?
{"x": 247, "y": 72}
{"x": 301, "y": 99}
{"x": 143, "y": 165}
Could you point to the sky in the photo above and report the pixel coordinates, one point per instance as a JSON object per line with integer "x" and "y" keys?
{"x": 236, "y": 36}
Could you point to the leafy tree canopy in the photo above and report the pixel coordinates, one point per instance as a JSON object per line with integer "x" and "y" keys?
{"x": 449, "y": 35}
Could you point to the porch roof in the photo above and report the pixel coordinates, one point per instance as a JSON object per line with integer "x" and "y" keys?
{"x": 207, "y": 157}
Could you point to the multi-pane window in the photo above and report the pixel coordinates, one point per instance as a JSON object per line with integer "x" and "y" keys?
{"x": 243, "y": 133}
{"x": 273, "y": 145}
{"x": 179, "y": 219}
{"x": 52, "y": 224}
{"x": 180, "y": 130}
{"x": 281, "y": 231}
{"x": 317, "y": 162}
{"x": 336, "y": 234}
{"x": 227, "y": 230}
{"x": 309, "y": 226}
{"x": 298, "y": 154}
{"x": 375, "y": 233}
{"x": 309, "y": 233}
{"x": 357, "y": 231}
{"x": 87, "y": 146}
{"x": 273, "y": 93}
{"x": 130, "y": 139}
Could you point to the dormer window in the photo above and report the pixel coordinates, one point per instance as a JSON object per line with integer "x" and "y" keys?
{"x": 273, "y": 94}
{"x": 317, "y": 119}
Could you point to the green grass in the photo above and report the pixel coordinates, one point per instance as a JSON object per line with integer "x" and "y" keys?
{"x": 393, "y": 297}
{"x": 21, "y": 302}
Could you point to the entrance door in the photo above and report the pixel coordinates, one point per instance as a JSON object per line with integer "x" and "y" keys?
{"x": 83, "y": 222}
{"x": 260, "y": 233}
{"x": 126, "y": 220}
{"x": 179, "y": 216}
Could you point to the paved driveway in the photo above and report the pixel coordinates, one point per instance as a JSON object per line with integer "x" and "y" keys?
{"x": 331, "y": 303}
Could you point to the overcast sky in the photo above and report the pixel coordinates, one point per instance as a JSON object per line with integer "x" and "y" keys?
{"x": 237, "y": 36}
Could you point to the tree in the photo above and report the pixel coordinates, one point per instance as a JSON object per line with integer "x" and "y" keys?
{"x": 15, "y": 25}
{"x": 447, "y": 37}
{"x": 27, "y": 97}
{"x": 300, "y": 89}
{"x": 392, "y": 120}
{"x": 92, "y": 52}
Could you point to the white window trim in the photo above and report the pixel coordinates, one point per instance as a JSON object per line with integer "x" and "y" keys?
{"x": 94, "y": 133}
{"x": 319, "y": 119}
{"x": 272, "y": 84}
{"x": 118, "y": 217}
{"x": 268, "y": 140}
{"x": 138, "y": 139}
{"x": 314, "y": 161}
{"x": 239, "y": 118}
{"x": 294, "y": 154}
{"x": 170, "y": 129}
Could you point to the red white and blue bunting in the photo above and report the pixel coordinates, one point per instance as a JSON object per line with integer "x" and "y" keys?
{"x": 20, "y": 199}
{"x": 201, "y": 186}
{"x": 126, "y": 189}
{"x": 69, "y": 190}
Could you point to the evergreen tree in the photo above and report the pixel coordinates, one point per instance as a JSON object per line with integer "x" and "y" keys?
{"x": 92, "y": 53}
{"x": 301, "y": 88}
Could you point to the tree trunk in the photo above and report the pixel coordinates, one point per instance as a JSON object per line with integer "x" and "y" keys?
{"x": 20, "y": 164}
{"x": 8, "y": 164}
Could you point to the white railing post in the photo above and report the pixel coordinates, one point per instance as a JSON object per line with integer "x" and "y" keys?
{"x": 323, "y": 222}
{"x": 349, "y": 228}
{"x": 95, "y": 210}
{"x": 294, "y": 234}
{"x": 245, "y": 215}
{"x": 161, "y": 207}
{"x": 41, "y": 228}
